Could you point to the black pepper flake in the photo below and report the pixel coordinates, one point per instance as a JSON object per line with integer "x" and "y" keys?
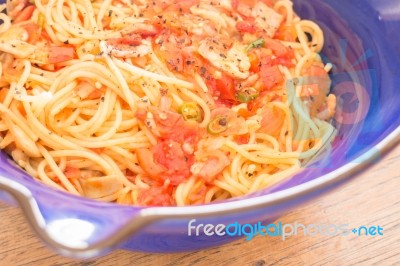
{"x": 203, "y": 70}
{"x": 309, "y": 36}
{"x": 66, "y": 42}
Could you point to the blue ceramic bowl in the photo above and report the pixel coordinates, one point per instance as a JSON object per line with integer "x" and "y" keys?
{"x": 362, "y": 42}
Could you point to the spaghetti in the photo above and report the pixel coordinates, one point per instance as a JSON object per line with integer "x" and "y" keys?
{"x": 161, "y": 102}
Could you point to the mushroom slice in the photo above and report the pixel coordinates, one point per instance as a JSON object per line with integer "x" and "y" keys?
{"x": 98, "y": 187}
{"x": 233, "y": 61}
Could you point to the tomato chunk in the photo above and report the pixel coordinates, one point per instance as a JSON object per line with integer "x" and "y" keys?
{"x": 270, "y": 74}
{"x": 170, "y": 154}
{"x": 33, "y": 32}
{"x": 58, "y": 54}
{"x": 155, "y": 196}
{"x": 223, "y": 88}
{"x": 25, "y": 14}
{"x": 245, "y": 26}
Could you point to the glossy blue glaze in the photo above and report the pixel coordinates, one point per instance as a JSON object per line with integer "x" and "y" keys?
{"x": 363, "y": 44}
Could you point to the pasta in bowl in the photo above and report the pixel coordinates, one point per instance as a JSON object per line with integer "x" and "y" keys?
{"x": 165, "y": 103}
{"x": 364, "y": 123}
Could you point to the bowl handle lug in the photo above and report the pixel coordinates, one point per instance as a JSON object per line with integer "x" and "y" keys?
{"x": 77, "y": 233}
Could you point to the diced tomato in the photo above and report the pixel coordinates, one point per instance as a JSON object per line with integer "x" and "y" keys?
{"x": 58, "y": 54}
{"x": 245, "y": 27}
{"x": 172, "y": 126}
{"x": 155, "y": 196}
{"x": 190, "y": 133}
{"x": 226, "y": 87}
{"x": 167, "y": 122}
{"x": 170, "y": 154}
{"x": 278, "y": 48}
{"x": 25, "y": 14}
{"x": 223, "y": 88}
{"x": 270, "y": 75}
{"x": 33, "y": 32}
{"x": 45, "y": 36}
{"x": 242, "y": 139}
{"x": 174, "y": 60}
